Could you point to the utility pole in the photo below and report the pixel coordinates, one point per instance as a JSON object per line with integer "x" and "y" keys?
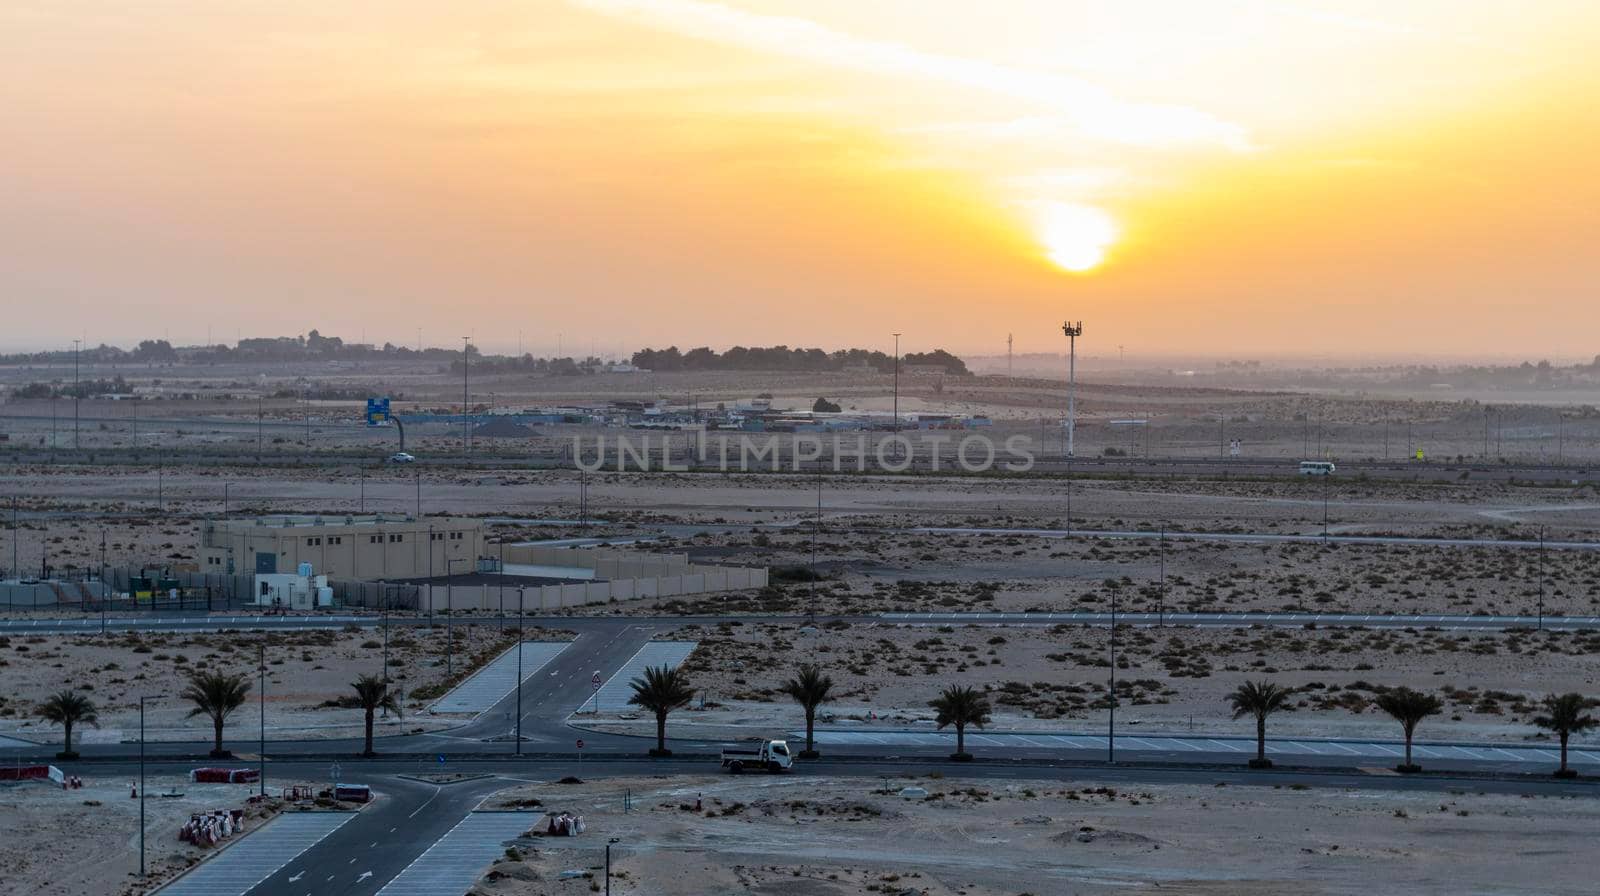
{"x": 1009, "y": 371}
{"x": 1485, "y": 433}
{"x": 258, "y": 428}
{"x": 1072, "y": 331}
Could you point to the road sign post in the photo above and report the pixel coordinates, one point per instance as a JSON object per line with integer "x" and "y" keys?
{"x": 580, "y": 753}
{"x": 595, "y": 680}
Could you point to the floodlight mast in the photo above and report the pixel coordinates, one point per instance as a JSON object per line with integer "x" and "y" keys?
{"x": 1073, "y": 331}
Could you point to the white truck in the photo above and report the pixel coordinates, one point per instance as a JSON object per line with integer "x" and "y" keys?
{"x": 772, "y": 755}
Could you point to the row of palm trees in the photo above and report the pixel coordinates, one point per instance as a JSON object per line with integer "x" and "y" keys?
{"x": 215, "y": 695}
{"x": 663, "y": 689}
{"x": 1564, "y": 715}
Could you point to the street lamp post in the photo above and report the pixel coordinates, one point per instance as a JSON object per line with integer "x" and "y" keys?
{"x": 466, "y": 425}
{"x": 1541, "y": 578}
{"x": 76, "y": 392}
{"x": 1325, "y": 480}
{"x": 1161, "y": 595}
{"x": 261, "y": 752}
{"x": 519, "y": 670}
{"x": 449, "y": 613}
{"x": 1072, "y": 331}
{"x": 142, "y": 700}
{"x": 102, "y": 580}
{"x": 815, "y": 526}
{"x": 896, "y": 382}
{"x": 1111, "y": 720}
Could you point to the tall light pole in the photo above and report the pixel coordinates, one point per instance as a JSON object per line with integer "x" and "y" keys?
{"x": 76, "y": 344}
{"x": 1541, "y": 578}
{"x": 816, "y": 524}
{"x": 1161, "y": 595}
{"x": 102, "y": 580}
{"x": 261, "y": 752}
{"x": 449, "y": 613}
{"x": 897, "y": 382}
{"x": 383, "y": 596}
{"x": 1111, "y": 720}
{"x": 142, "y": 699}
{"x": 520, "y": 636}
{"x": 1072, "y": 331}
{"x": 466, "y": 362}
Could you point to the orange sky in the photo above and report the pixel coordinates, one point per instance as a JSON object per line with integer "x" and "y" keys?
{"x": 1249, "y": 177}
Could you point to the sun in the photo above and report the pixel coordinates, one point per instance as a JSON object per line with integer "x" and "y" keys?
{"x": 1075, "y": 237}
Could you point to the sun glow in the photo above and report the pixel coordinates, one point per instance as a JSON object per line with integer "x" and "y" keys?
{"x": 1075, "y": 237}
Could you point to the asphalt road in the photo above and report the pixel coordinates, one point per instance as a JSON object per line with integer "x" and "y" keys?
{"x": 243, "y": 454}
{"x": 91, "y": 624}
{"x": 368, "y": 852}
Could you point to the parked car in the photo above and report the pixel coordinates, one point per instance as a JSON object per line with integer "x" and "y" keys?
{"x": 400, "y": 457}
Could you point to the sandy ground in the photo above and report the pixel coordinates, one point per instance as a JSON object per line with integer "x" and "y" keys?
{"x": 1168, "y": 680}
{"x": 72, "y": 842}
{"x": 821, "y": 837}
{"x": 1182, "y": 419}
{"x": 309, "y": 673}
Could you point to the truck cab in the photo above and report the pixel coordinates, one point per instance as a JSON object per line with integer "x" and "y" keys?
{"x": 771, "y": 755}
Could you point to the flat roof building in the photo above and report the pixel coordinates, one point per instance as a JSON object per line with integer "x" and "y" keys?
{"x": 370, "y": 547}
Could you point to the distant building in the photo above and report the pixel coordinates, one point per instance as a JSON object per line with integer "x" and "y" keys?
{"x": 342, "y": 547}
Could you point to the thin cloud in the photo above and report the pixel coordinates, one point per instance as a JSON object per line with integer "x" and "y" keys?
{"x": 1090, "y": 109}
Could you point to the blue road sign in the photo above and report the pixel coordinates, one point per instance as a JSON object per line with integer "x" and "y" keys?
{"x": 377, "y": 411}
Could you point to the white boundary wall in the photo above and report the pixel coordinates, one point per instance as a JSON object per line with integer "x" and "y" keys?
{"x": 692, "y": 580}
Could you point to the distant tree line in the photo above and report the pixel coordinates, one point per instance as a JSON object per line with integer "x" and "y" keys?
{"x": 783, "y": 358}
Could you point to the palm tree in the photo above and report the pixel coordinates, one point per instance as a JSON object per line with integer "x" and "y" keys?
{"x": 961, "y": 706}
{"x": 217, "y": 695}
{"x": 1566, "y": 718}
{"x": 661, "y": 690}
{"x": 1259, "y": 699}
{"x": 810, "y": 689}
{"x": 373, "y": 694}
{"x": 67, "y": 708}
{"x": 1408, "y": 707}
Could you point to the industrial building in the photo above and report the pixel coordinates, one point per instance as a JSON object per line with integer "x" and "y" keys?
{"x": 372, "y": 547}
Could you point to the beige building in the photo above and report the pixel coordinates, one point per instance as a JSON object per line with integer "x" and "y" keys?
{"x": 342, "y": 547}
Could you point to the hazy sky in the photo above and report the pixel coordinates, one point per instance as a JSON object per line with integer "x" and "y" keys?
{"x": 1259, "y": 176}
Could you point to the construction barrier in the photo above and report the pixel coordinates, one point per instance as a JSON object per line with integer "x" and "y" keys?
{"x": 211, "y": 827}
{"x": 29, "y": 773}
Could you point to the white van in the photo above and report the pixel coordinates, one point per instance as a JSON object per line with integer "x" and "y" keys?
{"x": 1316, "y": 468}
